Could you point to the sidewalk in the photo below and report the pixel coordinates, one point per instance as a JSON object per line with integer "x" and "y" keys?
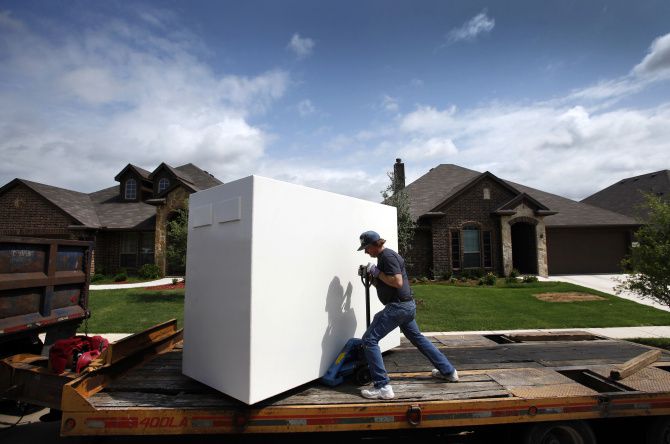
{"x": 164, "y": 281}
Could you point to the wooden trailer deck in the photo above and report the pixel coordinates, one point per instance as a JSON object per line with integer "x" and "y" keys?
{"x": 503, "y": 380}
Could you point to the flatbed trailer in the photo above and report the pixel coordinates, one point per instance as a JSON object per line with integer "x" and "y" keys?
{"x": 561, "y": 379}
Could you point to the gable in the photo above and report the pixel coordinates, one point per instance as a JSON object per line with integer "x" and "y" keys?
{"x": 482, "y": 195}
{"x": 25, "y": 209}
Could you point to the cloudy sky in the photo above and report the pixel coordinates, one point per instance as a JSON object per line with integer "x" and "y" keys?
{"x": 565, "y": 96}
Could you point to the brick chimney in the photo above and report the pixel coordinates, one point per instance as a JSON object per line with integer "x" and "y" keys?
{"x": 398, "y": 175}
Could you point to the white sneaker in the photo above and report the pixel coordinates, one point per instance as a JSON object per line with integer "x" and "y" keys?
{"x": 451, "y": 377}
{"x": 385, "y": 392}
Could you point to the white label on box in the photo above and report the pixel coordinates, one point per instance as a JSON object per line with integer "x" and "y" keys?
{"x": 228, "y": 210}
{"x": 202, "y": 216}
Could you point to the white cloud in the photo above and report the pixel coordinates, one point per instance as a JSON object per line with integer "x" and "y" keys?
{"x": 302, "y": 47}
{"x": 434, "y": 148}
{"x": 479, "y": 24}
{"x": 653, "y": 68}
{"x": 428, "y": 120}
{"x": 306, "y": 108}
{"x": 390, "y": 103}
{"x": 657, "y": 61}
{"x": 92, "y": 100}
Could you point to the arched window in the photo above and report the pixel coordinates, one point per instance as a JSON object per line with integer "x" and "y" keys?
{"x": 471, "y": 247}
{"x": 163, "y": 184}
{"x": 131, "y": 189}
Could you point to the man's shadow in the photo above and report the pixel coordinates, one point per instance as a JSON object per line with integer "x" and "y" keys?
{"x": 341, "y": 322}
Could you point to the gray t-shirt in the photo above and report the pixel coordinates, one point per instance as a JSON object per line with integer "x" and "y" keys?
{"x": 391, "y": 263}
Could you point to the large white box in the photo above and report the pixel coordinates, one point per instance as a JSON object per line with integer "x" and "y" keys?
{"x": 272, "y": 291}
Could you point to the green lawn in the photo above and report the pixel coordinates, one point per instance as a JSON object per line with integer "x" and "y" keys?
{"x": 455, "y": 308}
{"x": 133, "y": 310}
{"x": 441, "y": 307}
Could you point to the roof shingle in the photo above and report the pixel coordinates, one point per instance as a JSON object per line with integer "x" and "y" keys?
{"x": 445, "y": 180}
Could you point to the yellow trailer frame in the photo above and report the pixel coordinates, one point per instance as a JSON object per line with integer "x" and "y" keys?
{"x": 524, "y": 404}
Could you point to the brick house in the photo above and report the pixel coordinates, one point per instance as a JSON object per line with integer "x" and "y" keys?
{"x": 627, "y": 195}
{"x": 471, "y": 220}
{"x": 128, "y": 222}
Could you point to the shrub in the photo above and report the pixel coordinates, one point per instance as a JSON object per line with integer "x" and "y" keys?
{"x": 97, "y": 277}
{"x": 529, "y": 279}
{"x": 121, "y": 277}
{"x": 514, "y": 273}
{"x": 423, "y": 279}
{"x": 510, "y": 280}
{"x": 175, "y": 281}
{"x": 149, "y": 271}
{"x": 489, "y": 279}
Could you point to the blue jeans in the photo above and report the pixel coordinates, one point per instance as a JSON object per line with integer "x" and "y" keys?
{"x": 398, "y": 314}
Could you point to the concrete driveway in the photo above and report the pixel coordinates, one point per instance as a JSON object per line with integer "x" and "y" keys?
{"x": 606, "y": 284}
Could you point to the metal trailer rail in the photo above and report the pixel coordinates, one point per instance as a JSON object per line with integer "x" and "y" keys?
{"x": 43, "y": 288}
{"x": 140, "y": 390}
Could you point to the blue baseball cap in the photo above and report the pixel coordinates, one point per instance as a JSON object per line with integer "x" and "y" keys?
{"x": 368, "y": 238}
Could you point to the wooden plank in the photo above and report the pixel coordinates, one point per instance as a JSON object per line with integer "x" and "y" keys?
{"x": 633, "y": 365}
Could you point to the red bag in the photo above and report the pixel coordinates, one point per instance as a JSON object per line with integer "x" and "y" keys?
{"x": 75, "y": 353}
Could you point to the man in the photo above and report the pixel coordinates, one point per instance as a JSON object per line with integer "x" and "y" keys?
{"x": 390, "y": 278}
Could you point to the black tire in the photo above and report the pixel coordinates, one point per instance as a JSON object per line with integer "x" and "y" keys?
{"x": 567, "y": 432}
{"x": 362, "y": 375}
{"x": 658, "y": 431}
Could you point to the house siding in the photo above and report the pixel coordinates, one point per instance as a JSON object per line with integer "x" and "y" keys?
{"x": 175, "y": 199}
{"x": 107, "y": 251}
{"x": 469, "y": 207}
{"x": 26, "y": 213}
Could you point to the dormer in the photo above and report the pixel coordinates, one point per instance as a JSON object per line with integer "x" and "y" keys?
{"x": 134, "y": 184}
{"x": 165, "y": 178}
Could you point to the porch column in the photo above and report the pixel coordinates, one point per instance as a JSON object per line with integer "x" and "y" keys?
{"x": 541, "y": 233}
{"x": 506, "y": 234}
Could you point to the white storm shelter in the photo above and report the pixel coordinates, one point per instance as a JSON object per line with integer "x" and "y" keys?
{"x": 272, "y": 291}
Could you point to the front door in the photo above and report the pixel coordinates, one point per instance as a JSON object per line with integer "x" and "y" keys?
{"x": 524, "y": 248}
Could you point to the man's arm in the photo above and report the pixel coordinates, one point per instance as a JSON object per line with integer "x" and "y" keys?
{"x": 394, "y": 280}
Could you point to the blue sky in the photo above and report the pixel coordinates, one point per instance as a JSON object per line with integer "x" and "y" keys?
{"x": 565, "y": 96}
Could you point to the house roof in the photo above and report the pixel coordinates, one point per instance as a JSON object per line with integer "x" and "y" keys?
{"x": 626, "y": 195}
{"x": 445, "y": 181}
{"x": 200, "y": 178}
{"x": 144, "y": 174}
{"x": 106, "y": 209}
{"x": 115, "y": 213}
{"x": 77, "y": 205}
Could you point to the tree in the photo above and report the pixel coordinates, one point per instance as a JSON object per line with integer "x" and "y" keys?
{"x": 177, "y": 230}
{"x": 649, "y": 261}
{"x": 397, "y": 197}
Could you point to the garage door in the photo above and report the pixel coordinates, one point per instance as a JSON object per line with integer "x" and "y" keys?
{"x": 586, "y": 250}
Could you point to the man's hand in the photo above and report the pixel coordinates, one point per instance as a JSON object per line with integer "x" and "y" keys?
{"x": 373, "y": 270}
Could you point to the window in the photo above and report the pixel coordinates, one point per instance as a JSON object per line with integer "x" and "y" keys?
{"x": 128, "y": 257}
{"x": 455, "y": 249}
{"x": 471, "y": 247}
{"x": 137, "y": 249}
{"x": 131, "y": 189}
{"x": 163, "y": 185}
{"x": 147, "y": 249}
{"x": 487, "y": 194}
